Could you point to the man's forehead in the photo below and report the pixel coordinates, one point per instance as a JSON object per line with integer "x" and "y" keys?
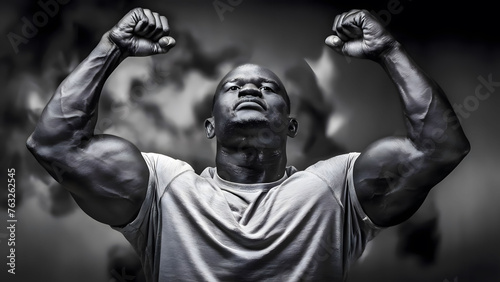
{"x": 251, "y": 72}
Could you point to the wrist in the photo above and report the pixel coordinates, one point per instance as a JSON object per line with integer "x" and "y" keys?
{"x": 391, "y": 53}
{"x": 107, "y": 46}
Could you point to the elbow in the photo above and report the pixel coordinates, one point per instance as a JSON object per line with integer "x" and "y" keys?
{"x": 466, "y": 148}
{"x": 457, "y": 152}
{"x": 462, "y": 149}
{"x": 37, "y": 148}
{"x": 448, "y": 154}
{"x": 31, "y": 144}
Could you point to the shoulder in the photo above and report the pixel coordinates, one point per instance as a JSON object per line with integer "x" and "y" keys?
{"x": 335, "y": 173}
{"x": 163, "y": 169}
{"x": 162, "y": 162}
{"x": 335, "y": 166}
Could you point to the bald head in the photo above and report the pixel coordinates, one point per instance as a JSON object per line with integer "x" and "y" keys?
{"x": 250, "y": 101}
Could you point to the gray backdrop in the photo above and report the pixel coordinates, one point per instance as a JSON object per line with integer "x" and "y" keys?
{"x": 159, "y": 103}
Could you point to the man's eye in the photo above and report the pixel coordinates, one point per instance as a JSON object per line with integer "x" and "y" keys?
{"x": 233, "y": 88}
{"x": 266, "y": 88}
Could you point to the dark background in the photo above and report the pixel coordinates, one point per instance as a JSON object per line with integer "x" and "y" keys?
{"x": 159, "y": 103}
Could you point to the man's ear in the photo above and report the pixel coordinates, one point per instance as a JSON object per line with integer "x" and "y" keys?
{"x": 210, "y": 127}
{"x": 293, "y": 127}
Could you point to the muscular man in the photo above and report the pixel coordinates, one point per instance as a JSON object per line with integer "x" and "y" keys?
{"x": 251, "y": 218}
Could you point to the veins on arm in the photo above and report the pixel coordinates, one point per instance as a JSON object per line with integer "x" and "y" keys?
{"x": 106, "y": 174}
{"x": 394, "y": 175}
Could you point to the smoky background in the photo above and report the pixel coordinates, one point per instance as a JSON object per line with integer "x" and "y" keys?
{"x": 159, "y": 103}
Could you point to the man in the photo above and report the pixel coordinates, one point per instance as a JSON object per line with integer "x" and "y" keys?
{"x": 251, "y": 218}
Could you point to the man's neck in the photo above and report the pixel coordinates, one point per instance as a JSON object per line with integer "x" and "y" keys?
{"x": 251, "y": 164}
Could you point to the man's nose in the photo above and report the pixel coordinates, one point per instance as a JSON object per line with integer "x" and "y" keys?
{"x": 250, "y": 90}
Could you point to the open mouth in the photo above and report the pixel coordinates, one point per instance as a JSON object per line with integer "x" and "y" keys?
{"x": 250, "y": 104}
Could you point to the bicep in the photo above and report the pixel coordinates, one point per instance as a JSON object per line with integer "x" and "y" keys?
{"x": 107, "y": 177}
{"x": 392, "y": 178}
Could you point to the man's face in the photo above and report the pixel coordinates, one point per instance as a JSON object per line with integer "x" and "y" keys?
{"x": 251, "y": 99}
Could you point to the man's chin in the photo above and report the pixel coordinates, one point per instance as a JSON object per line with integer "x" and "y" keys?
{"x": 248, "y": 116}
{"x": 245, "y": 124}
{"x": 249, "y": 122}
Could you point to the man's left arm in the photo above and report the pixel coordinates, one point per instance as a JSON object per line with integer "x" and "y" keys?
{"x": 393, "y": 176}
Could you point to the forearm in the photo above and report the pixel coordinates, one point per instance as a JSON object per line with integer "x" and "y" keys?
{"x": 107, "y": 175}
{"x": 428, "y": 113}
{"x": 71, "y": 114}
{"x": 393, "y": 175}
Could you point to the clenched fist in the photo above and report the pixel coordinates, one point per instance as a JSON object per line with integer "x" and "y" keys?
{"x": 359, "y": 34}
{"x": 142, "y": 33}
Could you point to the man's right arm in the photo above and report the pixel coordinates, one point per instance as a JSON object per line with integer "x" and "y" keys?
{"x": 105, "y": 174}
